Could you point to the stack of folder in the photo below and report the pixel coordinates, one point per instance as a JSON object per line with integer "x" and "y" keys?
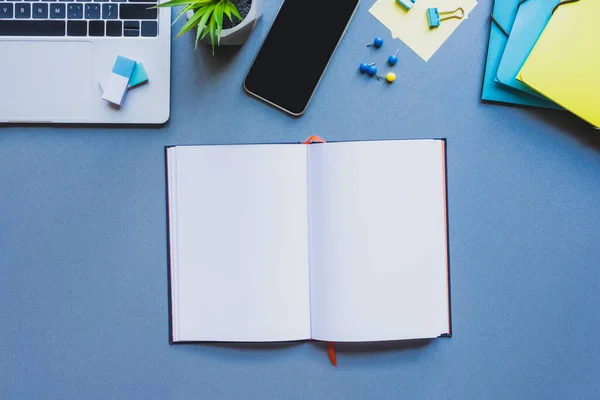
{"x": 545, "y": 53}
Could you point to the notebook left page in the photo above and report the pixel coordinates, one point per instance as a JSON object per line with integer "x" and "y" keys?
{"x": 238, "y": 237}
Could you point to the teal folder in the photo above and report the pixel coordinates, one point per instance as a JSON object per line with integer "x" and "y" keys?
{"x": 531, "y": 19}
{"x": 504, "y": 13}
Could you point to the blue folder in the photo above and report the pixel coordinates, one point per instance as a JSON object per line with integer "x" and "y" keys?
{"x": 531, "y": 19}
{"x": 504, "y": 13}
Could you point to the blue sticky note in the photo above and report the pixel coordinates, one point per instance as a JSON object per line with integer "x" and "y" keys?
{"x": 505, "y": 12}
{"x": 123, "y": 66}
{"x": 531, "y": 19}
{"x": 138, "y": 76}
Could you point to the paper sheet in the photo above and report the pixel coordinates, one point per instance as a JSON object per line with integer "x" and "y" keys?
{"x": 565, "y": 61}
{"x": 532, "y": 17}
{"x": 239, "y": 243}
{"x": 378, "y": 260}
{"x": 411, "y": 26}
{"x": 505, "y": 12}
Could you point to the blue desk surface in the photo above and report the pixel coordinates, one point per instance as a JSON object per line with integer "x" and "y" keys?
{"x": 83, "y": 258}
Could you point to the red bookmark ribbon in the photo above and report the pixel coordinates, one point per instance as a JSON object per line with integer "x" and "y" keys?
{"x": 314, "y": 139}
{"x": 331, "y": 353}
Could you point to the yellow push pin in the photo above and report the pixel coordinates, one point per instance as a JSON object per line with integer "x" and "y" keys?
{"x": 390, "y": 77}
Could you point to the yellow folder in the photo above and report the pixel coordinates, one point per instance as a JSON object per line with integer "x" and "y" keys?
{"x": 564, "y": 65}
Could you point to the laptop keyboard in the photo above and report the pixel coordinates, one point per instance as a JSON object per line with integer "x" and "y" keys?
{"x": 114, "y": 18}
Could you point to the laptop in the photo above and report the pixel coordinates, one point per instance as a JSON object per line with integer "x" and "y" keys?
{"x": 56, "y": 54}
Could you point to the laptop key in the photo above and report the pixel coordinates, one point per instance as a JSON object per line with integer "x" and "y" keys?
{"x": 57, "y": 11}
{"x": 75, "y": 11}
{"x": 40, "y": 11}
{"x": 23, "y": 10}
{"x": 92, "y": 11}
{"x": 32, "y": 28}
{"x": 76, "y": 28}
{"x": 114, "y": 28}
{"x": 96, "y": 28}
{"x": 131, "y": 28}
{"x": 110, "y": 11}
{"x": 137, "y": 11}
{"x": 149, "y": 28}
{"x": 6, "y": 10}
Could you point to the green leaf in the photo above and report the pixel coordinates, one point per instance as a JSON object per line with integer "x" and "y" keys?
{"x": 199, "y": 30}
{"x": 218, "y": 17}
{"x": 191, "y": 22}
{"x": 205, "y": 33}
{"x": 201, "y": 27}
{"x": 194, "y": 5}
{"x": 182, "y": 13}
{"x": 227, "y": 10}
{"x": 235, "y": 12}
{"x": 201, "y": 3}
{"x": 206, "y": 10}
{"x": 212, "y": 27}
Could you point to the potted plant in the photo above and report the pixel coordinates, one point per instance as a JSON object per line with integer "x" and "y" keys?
{"x": 208, "y": 18}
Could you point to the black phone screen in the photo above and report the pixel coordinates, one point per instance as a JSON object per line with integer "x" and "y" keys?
{"x": 296, "y": 51}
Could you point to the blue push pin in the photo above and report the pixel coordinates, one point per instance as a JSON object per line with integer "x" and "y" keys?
{"x": 364, "y": 67}
{"x": 406, "y": 3}
{"x": 377, "y": 42}
{"x": 393, "y": 59}
{"x": 433, "y": 16}
{"x": 372, "y": 71}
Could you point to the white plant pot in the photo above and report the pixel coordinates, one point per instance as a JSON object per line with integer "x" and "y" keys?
{"x": 238, "y": 35}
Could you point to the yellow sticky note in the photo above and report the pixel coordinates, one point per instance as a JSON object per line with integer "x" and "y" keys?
{"x": 565, "y": 62}
{"x": 411, "y": 26}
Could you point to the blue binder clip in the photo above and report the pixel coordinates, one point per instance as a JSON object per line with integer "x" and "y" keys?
{"x": 434, "y": 19}
{"x": 406, "y": 3}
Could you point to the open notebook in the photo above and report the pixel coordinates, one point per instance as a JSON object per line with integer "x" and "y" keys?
{"x": 338, "y": 242}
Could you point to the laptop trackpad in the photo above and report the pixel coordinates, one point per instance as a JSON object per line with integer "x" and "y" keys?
{"x": 45, "y": 81}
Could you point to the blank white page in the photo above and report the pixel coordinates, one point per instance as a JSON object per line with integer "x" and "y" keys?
{"x": 378, "y": 251}
{"x": 239, "y": 243}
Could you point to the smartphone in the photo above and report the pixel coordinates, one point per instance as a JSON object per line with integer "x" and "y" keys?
{"x": 296, "y": 51}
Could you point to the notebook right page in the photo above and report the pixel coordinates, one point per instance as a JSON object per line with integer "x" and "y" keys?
{"x": 377, "y": 233}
